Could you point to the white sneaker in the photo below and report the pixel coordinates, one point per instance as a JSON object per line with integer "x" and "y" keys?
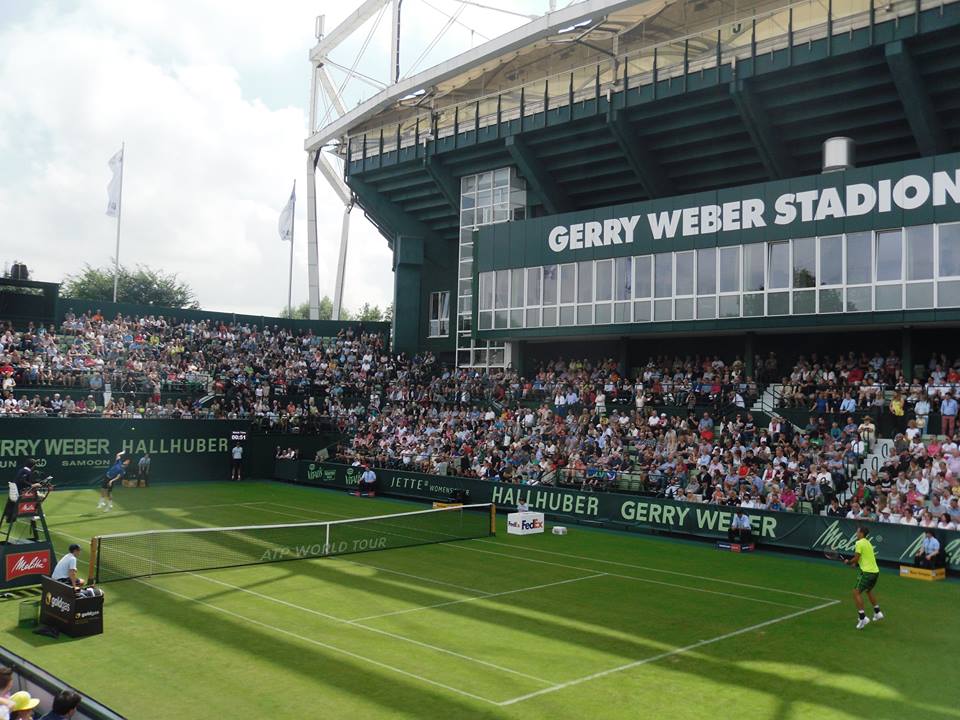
{"x": 862, "y": 623}
{"x": 877, "y": 617}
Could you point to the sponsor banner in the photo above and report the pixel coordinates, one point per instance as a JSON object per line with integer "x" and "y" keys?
{"x": 894, "y": 543}
{"x": 77, "y": 451}
{"x": 33, "y": 562}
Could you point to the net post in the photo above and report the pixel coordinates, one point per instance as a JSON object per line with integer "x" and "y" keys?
{"x": 493, "y": 519}
{"x": 326, "y": 542}
{"x": 94, "y": 557}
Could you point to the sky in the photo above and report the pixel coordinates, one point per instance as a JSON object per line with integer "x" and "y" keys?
{"x": 210, "y": 98}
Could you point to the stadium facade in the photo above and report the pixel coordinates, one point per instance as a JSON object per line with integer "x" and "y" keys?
{"x": 649, "y": 177}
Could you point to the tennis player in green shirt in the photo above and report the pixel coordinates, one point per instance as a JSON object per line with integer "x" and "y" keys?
{"x": 867, "y": 575}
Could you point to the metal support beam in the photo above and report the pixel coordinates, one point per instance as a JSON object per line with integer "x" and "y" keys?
{"x": 334, "y": 178}
{"x": 342, "y": 31}
{"x": 313, "y": 261}
{"x": 924, "y": 124}
{"x": 395, "y": 217}
{"x": 554, "y": 199}
{"x": 448, "y": 186}
{"x": 341, "y": 262}
{"x": 773, "y": 155}
{"x": 648, "y": 171}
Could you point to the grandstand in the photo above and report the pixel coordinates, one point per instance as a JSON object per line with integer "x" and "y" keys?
{"x": 654, "y": 264}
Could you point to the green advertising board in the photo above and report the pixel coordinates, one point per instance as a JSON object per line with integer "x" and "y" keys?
{"x": 76, "y": 451}
{"x": 894, "y": 543}
{"x": 913, "y": 192}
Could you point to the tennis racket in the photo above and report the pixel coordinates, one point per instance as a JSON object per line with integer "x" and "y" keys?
{"x": 834, "y": 555}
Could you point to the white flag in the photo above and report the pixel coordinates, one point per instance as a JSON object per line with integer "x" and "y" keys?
{"x": 113, "y": 189}
{"x": 286, "y": 217}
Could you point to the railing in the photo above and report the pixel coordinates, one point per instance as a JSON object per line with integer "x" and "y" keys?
{"x": 723, "y": 44}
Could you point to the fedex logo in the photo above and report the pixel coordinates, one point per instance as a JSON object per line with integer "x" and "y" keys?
{"x": 531, "y": 524}
{"x": 36, "y": 562}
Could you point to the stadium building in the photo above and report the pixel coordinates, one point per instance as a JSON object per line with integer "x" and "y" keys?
{"x": 625, "y": 179}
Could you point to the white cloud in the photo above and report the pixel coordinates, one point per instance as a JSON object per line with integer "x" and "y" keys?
{"x": 210, "y": 97}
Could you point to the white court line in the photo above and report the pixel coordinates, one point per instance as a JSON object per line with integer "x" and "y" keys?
{"x": 610, "y": 562}
{"x": 479, "y": 597}
{"x": 326, "y": 646}
{"x": 659, "y": 570}
{"x": 100, "y": 514}
{"x": 354, "y": 623}
{"x": 649, "y": 581}
{"x": 661, "y": 656}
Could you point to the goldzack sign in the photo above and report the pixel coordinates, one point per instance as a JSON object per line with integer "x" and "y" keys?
{"x": 894, "y": 543}
{"x": 909, "y": 192}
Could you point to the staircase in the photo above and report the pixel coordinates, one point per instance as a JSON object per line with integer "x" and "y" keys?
{"x": 873, "y": 461}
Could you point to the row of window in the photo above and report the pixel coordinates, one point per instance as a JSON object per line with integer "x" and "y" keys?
{"x": 907, "y": 268}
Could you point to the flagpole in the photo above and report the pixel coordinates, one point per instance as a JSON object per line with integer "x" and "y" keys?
{"x": 116, "y": 256}
{"x": 293, "y": 220}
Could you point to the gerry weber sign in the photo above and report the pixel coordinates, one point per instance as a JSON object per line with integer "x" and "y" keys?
{"x": 909, "y": 192}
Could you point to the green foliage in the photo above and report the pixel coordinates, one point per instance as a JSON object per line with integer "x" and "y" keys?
{"x": 144, "y": 285}
{"x": 367, "y": 313}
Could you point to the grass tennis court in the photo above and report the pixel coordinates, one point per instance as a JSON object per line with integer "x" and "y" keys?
{"x": 596, "y": 623}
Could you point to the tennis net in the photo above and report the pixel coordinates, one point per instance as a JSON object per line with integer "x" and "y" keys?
{"x": 123, "y": 556}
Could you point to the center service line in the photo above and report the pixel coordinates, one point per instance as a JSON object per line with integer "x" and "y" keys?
{"x": 661, "y": 656}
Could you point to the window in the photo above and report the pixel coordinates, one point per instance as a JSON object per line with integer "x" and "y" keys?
{"x": 439, "y": 314}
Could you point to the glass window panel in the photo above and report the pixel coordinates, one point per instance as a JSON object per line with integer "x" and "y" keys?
{"x": 603, "y": 314}
{"x": 604, "y": 280}
{"x": 778, "y": 303}
{"x": 888, "y": 297}
{"x": 831, "y": 261}
{"x": 467, "y": 201}
{"x": 684, "y": 309}
{"x": 889, "y": 257}
{"x": 567, "y": 315}
{"x": 496, "y": 357}
{"x": 466, "y": 269}
{"x": 516, "y": 287}
{"x": 948, "y": 293}
{"x": 533, "y": 286}
{"x": 567, "y": 283}
{"x": 550, "y": 317}
{"x": 621, "y": 312}
{"x": 584, "y": 314}
{"x": 753, "y": 268}
{"x": 585, "y": 281}
{"x": 859, "y": 267}
{"x": 730, "y": 306}
{"x": 516, "y": 318}
{"x": 549, "y": 284}
{"x": 804, "y": 303}
{"x": 463, "y": 358}
{"x": 484, "y": 215}
{"x": 467, "y": 218}
{"x": 501, "y": 196}
{"x": 641, "y": 311}
{"x": 753, "y": 305}
{"x": 642, "y": 286}
{"x": 919, "y": 295}
{"x": 501, "y": 177}
{"x": 468, "y": 183}
{"x": 859, "y": 299}
{"x": 804, "y": 263}
{"x": 706, "y": 271}
{"x": 684, "y": 282}
{"x": 622, "y": 279}
{"x": 663, "y": 275}
{"x": 502, "y": 288}
{"x": 778, "y": 267}
{"x": 500, "y": 213}
{"x": 730, "y": 270}
{"x": 486, "y": 320}
{"x": 663, "y": 310}
{"x": 949, "y": 250}
{"x": 486, "y": 290}
{"x": 479, "y": 357}
{"x": 919, "y": 254}
{"x": 831, "y": 301}
{"x": 500, "y": 318}
{"x": 533, "y": 317}
{"x": 484, "y": 180}
{"x": 706, "y": 308}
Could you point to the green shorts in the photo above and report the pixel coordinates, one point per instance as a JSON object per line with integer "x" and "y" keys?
{"x": 866, "y": 581}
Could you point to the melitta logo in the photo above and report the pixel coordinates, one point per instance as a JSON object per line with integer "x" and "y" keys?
{"x": 28, "y": 563}
{"x": 833, "y": 538}
{"x": 27, "y": 508}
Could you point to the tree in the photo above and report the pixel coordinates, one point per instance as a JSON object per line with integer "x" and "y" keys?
{"x": 370, "y": 313}
{"x": 302, "y": 311}
{"x": 144, "y": 286}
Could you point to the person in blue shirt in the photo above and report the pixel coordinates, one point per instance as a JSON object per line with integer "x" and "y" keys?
{"x": 948, "y": 415}
{"x": 114, "y": 474}
{"x": 928, "y": 554}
